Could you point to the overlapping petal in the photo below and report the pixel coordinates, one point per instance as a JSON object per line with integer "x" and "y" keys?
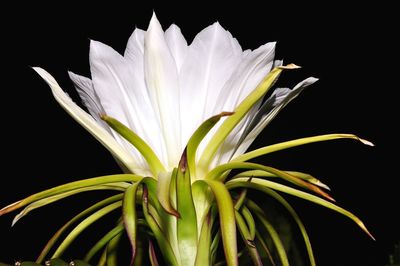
{"x": 161, "y": 76}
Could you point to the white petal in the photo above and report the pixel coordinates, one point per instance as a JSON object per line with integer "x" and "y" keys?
{"x": 162, "y": 83}
{"x": 277, "y": 97}
{"x": 110, "y": 77}
{"x": 89, "y": 123}
{"x": 177, "y": 45}
{"x": 249, "y": 73}
{"x": 85, "y": 89}
{"x": 278, "y": 63}
{"x": 135, "y": 46}
{"x": 134, "y": 56}
{"x": 282, "y": 99}
{"x": 121, "y": 95}
{"x": 251, "y": 70}
{"x": 211, "y": 59}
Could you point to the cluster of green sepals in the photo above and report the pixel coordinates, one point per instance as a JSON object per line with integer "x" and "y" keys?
{"x": 187, "y": 213}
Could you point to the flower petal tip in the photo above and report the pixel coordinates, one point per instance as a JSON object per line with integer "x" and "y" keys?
{"x": 39, "y": 70}
{"x": 366, "y": 142}
{"x": 320, "y": 184}
{"x": 10, "y": 207}
{"x": 154, "y": 22}
{"x": 290, "y": 66}
{"x": 364, "y": 228}
{"x": 14, "y": 221}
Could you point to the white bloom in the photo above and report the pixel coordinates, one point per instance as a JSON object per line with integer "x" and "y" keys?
{"x": 163, "y": 89}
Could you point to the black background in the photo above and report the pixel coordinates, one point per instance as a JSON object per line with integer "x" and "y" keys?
{"x": 351, "y": 50}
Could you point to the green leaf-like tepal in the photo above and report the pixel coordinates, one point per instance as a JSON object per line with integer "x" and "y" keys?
{"x": 218, "y": 173}
{"x": 187, "y": 222}
{"x": 203, "y": 255}
{"x": 101, "y": 180}
{"x": 248, "y": 238}
{"x": 104, "y": 241}
{"x": 256, "y": 183}
{"x": 164, "y": 192}
{"x": 83, "y": 225}
{"x": 271, "y": 231}
{"x": 130, "y": 217}
{"x": 294, "y": 143}
{"x": 161, "y": 238}
{"x": 79, "y": 216}
{"x": 151, "y": 158}
{"x": 197, "y": 137}
{"x": 227, "y": 220}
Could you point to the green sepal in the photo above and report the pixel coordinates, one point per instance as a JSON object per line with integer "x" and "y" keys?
{"x": 203, "y": 255}
{"x": 218, "y": 172}
{"x": 151, "y": 158}
{"x": 69, "y": 187}
{"x": 196, "y": 139}
{"x": 248, "y": 239}
{"x": 48, "y": 200}
{"x": 271, "y": 231}
{"x": 111, "y": 254}
{"x": 79, "y": 216}
{"x": 104, "y": 241}
{"x": 227, "y": 220}
{"x": 187, "y": 222}
{"x": 83, "y": 225}
{"x": 129, "y": 216}
{"x": 162, "y": 240}
{"x": 257, "y": 183}
{"x": 294, "y": 143}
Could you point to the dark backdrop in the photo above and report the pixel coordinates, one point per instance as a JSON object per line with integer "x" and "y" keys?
{"x": 351, "y": 50}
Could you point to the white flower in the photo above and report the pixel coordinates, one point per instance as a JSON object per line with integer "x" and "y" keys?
{"x": 163, "y": 89}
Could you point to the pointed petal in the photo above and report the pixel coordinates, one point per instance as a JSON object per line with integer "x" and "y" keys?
{"x": 115, "y": 84}
{"x": 134, "y": 56}
{"x": 85, "y": 89}
{"x": 252, "y": 69}
{"x": 162, "y": 83}
{"x": 177, "y": 45}
{"x": 135, "y": 46}
{"x": 88, "y": 122}
{"x": 263, "y": 120}
{"x": 112, "y": 80}
{"x": 211, "y": 59}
